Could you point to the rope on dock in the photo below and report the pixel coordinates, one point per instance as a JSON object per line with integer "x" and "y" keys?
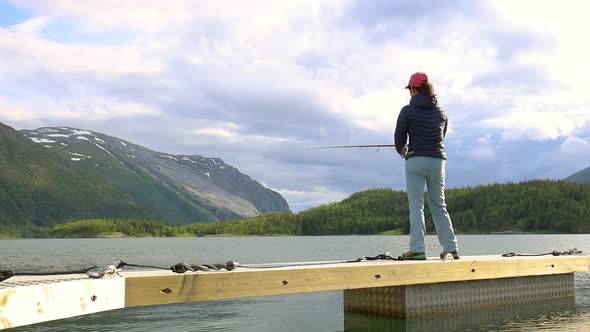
{"x": 116, "y": 267}
{"x": 572, "y": 251}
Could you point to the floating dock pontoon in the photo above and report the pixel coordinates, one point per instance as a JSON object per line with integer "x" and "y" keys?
{"x": 395, "y": 288}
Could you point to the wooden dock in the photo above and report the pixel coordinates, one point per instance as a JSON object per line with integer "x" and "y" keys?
{"x": 31, "y": 300}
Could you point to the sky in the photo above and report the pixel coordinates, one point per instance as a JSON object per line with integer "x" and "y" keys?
{"x": 257, "y": 82}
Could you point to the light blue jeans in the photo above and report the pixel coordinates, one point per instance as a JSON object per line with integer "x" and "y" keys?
{"x": 428, "y": 171}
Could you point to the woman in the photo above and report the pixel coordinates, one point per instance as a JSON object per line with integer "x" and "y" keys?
{"x": 424, "y": 122}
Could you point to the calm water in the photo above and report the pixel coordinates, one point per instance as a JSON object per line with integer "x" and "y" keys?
{"x": 299, "y": 312}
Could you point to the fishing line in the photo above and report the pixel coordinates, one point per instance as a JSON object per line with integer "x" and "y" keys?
{"x": 353, "y": 146}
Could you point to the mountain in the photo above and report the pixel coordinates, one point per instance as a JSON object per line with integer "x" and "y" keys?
{"x": 178, "y": 188}
{"x": 582, "y": 176}
{"x": 37, "y": 188}
{"x": 52, "y": 175}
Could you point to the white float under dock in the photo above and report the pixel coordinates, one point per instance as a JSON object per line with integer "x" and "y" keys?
{"x": 398, "y": 288}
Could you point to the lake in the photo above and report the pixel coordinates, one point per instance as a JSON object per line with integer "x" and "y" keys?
{"x": 299, "y": 312}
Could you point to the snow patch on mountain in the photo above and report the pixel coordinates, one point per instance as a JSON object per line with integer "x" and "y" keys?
{"x": 190, "y": 160}
{"x": 107, "y": 151}
{"x": 79, "y": 155}
{"x": 81, "y": 132}
{"x": 41, "y": 140}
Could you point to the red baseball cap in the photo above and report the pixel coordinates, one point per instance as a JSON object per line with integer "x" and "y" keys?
{"x": 417, "y": 79}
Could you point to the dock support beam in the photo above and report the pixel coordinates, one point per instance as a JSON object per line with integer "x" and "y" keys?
{"x": 446, "y": 297}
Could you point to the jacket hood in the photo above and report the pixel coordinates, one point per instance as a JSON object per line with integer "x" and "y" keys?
{"x": 423, "y": 101}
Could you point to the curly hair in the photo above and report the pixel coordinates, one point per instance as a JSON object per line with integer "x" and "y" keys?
{"x": 426, "y": 88}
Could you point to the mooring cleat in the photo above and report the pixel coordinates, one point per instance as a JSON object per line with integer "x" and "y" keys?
{"x": 446, "y": 256}
{"x": 449, "y": 254}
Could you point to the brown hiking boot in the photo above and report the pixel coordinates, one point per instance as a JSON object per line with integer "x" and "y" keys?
{"x": 410, "y": 255}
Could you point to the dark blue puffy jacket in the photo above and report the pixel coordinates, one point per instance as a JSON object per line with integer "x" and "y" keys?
{"x": 425, "y": 123}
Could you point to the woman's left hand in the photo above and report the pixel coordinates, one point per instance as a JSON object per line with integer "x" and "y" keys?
{"x": 404, "y": 152}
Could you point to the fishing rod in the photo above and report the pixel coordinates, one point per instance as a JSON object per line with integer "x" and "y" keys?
{"x": 378, "y": 146}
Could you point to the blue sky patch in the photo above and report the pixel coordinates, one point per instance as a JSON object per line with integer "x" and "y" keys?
{"x": 11, "y": 15}
{"x": 69, "y": 32}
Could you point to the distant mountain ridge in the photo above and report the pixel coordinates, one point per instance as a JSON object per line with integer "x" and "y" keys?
{"x": 582, "y": 176}
{"x": 179, "y": 189}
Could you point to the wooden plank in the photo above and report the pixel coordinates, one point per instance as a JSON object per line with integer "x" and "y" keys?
{"x": 24, "y": 301}
{"x": 165, "y": 287}
{"x": 31, "y": 300}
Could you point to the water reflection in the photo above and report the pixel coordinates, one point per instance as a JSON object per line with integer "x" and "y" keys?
{"x": 530, "y": 316}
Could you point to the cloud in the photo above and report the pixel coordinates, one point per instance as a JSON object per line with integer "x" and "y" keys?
{"x": 383, "y": 20}
{"x": 257, "y": 83}
{"x": 519, "y": 78}
{"x": 300, "y": 200}
{"x": 112, "y": 14}
{"x": 14, "y": 113}
{"x": 567, "y": 158}
{"x": 37, "y": 56}
{"x": 216, "y": 132}
{"x": 537, "y": 125}
{"x": 572, "y": 148}
{"x": 482, "y": 149}
{"x": 33, "y": 26}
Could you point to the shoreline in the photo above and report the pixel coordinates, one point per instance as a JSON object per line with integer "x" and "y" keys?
{"x": 268, "y": 235}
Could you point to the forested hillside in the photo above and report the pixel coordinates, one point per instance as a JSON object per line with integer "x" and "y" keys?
{"x": 36, "y": 188}
{"x": 540, "y": 206}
